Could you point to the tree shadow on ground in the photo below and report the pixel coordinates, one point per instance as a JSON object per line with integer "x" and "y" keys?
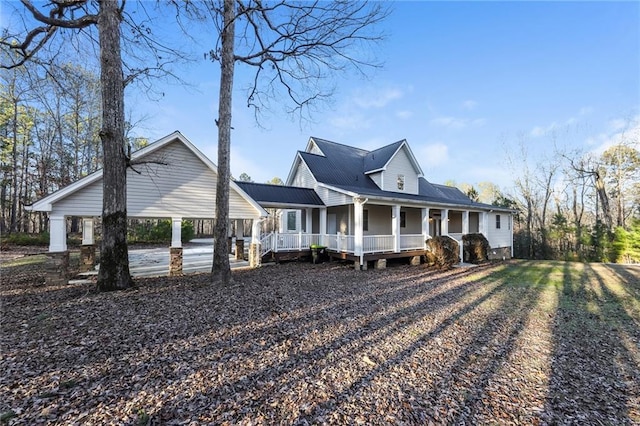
{"x": 594, "y": 377}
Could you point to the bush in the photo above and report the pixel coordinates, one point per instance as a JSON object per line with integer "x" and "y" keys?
{"x": 24, "y": 239}
{"x": 475, "y": 248}
{"x": 443, "y": 252}
{"x": 157, "y": 231}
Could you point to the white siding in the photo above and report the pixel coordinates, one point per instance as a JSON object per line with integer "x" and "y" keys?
{"x": 182, "y": 186}
{"x": 335, "y": 198}
{"x": 413, "y": 219}
{"x": 499, "y": 237}
{"x": 377, "y": 178}
{"x": 303, "y": 177}
{"x": 379, "y": 219}
{"x": 401, "y": 165}
{"x": 314, "y": 149}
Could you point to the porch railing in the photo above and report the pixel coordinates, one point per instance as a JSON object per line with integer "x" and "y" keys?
{"x": 412, "y": 242}
{"x": 338, "y": 242}
{"x": 377, "y": 243}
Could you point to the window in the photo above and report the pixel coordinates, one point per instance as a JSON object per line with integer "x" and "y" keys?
{"x": 403, "y": 219}
{"x": 401, "y": 182}
{"x": 497, "y": 221}
{"x": 365, "y": 220}
{"x": 291, "y": 221}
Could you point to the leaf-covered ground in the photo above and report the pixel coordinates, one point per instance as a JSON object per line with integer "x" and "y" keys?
{"x": 510, "y": 343}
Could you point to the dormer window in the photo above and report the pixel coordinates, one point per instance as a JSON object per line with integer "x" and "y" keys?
{"x": 401, "y": 182}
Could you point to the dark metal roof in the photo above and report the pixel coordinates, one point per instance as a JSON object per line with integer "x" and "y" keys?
{"x": 344, "y": 167}
{"x": 279, "y": 194}
{"x": 378, "y": 158}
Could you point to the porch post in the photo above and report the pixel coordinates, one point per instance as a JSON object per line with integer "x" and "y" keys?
{"x": 444, "y": 226}
{"x": 175, "y": 260}
{"x": 239, "y": 239}
{"x": 395, "y": 227}
{"x": 323, "y": 224}
{"x": 254, "y": 248}
{"x": 88, "y": 248}
{"x": 358, "y": 231}
{"x": 481, "y": 223}
{"x": 465, "y": 222}
{"x": 425, "y": 225}
{"x": 308, "y": 227}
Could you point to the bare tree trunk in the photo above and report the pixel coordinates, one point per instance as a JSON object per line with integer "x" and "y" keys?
{"x": 604, "y": 200}
{"x": 220, "y": 271}
{"x": 114, "y": 256}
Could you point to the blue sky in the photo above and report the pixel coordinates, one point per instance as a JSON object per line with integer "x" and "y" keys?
{"x": 464, "y": 83}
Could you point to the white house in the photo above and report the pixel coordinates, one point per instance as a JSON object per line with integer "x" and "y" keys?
{"x": 375, "y": 205}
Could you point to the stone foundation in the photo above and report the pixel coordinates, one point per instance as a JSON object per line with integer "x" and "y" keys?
{"x": 500, "y": 253}
{"x": 254, "y": 255}
{"x": 57, "y": 268}
{"x": 87, "y": 257}
{"x": 175, "y": 262}
{"x": 381, "y": 263}
{"x": 239, "y": 249}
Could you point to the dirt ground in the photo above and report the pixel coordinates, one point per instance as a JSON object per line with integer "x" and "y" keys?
{"x": 508, "y": 343}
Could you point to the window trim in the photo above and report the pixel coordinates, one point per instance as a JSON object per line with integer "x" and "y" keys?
{"x": 497, "y": 221}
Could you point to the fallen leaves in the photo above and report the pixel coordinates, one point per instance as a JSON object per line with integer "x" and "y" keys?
{"x": 314, "y": 344}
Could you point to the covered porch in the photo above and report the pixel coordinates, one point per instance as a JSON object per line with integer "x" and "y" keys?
{"x": 366, "y": 231}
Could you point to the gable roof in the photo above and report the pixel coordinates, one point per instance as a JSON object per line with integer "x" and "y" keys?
{"x": 45, "y": 203}
{"x": 278, "y": 195}
{"x": 346, "y": 169}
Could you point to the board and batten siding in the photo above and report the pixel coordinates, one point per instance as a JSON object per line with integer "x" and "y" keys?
{"x": 499, "y": 237}
{"x": 183, "y": 186}
{"x": 400, "y": 164}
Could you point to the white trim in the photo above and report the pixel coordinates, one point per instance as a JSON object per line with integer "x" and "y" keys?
{"x": 176, "y": 232}
{"x": 46, "y": 203}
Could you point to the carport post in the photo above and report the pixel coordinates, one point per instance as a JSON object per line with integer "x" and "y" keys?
{"x": 88, "y": 248}
{"x": 175, "y": 261}
{"x": 57, "y": 266}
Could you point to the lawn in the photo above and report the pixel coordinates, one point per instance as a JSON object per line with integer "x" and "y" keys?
{"x": 516, "y": 342}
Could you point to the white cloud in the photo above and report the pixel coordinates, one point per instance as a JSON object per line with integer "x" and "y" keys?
{"x": 469, "y": 104}
{"x": 350, "y": 121}
{"x": 623, "y": 131}
{"x": 404, "y": 114}
{"x": 456, "y": 122}
{"x": 433, "y": 154}
{"x": 376, "y": 98}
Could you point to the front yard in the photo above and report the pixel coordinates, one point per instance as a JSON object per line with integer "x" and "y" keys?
{"x": 518, "y": 342}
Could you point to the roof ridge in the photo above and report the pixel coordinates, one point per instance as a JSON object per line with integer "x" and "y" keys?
{"x": 387, "y": 145}
{"x": 339, "y": 143}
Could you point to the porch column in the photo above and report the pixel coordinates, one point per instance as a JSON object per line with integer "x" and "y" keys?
{"x": 308, "y": 225}
{"x": 254, "y": 248}
{"x": 444, "y": 226}
{"x": 57, "y": 234}
{"x": 57, "y": 265}
{"x": 88, "y": 248}
{"x": 239, "y": 239}
{"x": 482, "y": 223}
{"x": 465, "y": 222}
{"x": 323, "y": 224}
{"x": 358, "y": 231}
{"x": 395, "y": 227}
{"x": 175, "y": 252}
{"x": 425, "y": 225}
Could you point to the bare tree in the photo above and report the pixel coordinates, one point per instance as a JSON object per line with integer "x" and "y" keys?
{"x": 107, "y": 17}
{"x": 295, "y": 48}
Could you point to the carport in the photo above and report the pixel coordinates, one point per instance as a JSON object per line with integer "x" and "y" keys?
{"x": 172, "y": 180}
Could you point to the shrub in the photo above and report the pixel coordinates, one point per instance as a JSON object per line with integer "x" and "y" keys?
{"x": 475, "y": 248}
{"x": 24, "y": 239}
{"x": 157, "y": 231}
{"x": 443, "y": 252}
